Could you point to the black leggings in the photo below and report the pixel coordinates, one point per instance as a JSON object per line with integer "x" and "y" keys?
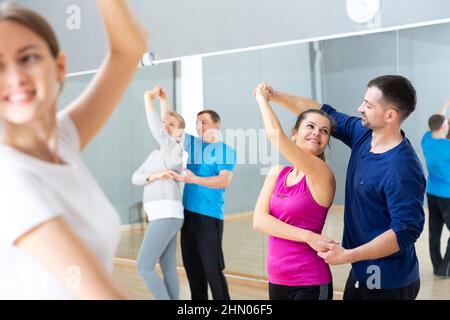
{"x": 315, "y": 292}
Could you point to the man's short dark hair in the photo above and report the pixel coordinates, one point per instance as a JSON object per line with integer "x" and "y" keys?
{"x": 448, "y": 135}
{"x": 398, "y": 91}
{"x": 214, "y": 115}
{"x": 436, "y": 121}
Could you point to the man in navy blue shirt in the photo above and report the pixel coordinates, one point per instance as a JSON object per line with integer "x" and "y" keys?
{"x": 384, "y": 192}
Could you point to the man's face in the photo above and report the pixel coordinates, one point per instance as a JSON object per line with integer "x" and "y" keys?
{"x": 206, "y": 127}
{"x": 373, "y": 109}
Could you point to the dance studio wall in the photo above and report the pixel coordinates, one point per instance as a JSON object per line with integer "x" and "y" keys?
{"x": 125, "y": 141}
{"x": 348, "y": 63}
{"x": 180, "y": 28}
{"x": 421, "y": 54}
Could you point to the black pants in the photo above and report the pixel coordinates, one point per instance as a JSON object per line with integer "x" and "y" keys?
{"x": 201, "y": 248}
{"x": 359, "y": 291}
{"x": 319, "y": 292}
{"x": 439, "y": 213}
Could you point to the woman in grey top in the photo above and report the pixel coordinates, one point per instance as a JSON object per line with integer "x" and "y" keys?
{"x": 162, "y": 198}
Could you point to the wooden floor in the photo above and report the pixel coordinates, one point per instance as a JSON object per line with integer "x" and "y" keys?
{"x": 245, "y": 259}
{"x": 240, "y": 288}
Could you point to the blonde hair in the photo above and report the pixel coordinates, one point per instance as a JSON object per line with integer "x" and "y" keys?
{"x": 179, "y": 118}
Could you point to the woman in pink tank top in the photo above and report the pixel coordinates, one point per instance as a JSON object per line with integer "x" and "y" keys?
{"x": 293, "y": 205}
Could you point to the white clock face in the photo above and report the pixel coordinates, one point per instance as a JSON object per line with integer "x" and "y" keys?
{"x": 362, "y": 11}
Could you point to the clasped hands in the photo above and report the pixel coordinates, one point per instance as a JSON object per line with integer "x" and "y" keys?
{"x": 263, "y": 92}
{"x": 330, "y": 251}
{"x": 187, "y": 176}
{"x": 156, "y": 92}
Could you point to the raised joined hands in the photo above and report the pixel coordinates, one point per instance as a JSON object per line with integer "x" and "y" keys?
{"x": 157, "y": 92}
{"x": 263, "y": 92}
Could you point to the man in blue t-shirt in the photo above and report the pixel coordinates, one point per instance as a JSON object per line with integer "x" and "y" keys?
{"x": 210, "y": 165}
{"x": 436, "y": 149}
{"x": 384, "y": 192}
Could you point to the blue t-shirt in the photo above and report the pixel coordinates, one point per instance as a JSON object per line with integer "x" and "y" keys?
{"x": 437, "y": 156}
{"x": 382, "y": 191}
{"x": 206, "y": 160}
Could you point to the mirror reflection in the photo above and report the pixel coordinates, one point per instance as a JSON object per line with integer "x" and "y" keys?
{"x": 333, "y": 71}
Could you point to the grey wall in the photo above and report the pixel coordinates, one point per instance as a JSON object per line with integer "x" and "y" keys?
{"x": 125, "y": 142}
{"x": 233, "y": 24}
{"x": 228, "y": 84}
{"x": 348, "y": 64}
{"x": 86, "y": 47}
{"x": 424, "y": 59}
{"x": 422, "y": 55}
{"x": 181, "y": 27}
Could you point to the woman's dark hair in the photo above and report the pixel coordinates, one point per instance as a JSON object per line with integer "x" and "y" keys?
{"x": 10, "y": 11}
{"x": 302, "y": 116}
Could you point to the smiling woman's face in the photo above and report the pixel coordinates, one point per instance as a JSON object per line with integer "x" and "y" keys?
{"x": 30, "y": 77}
{"x": 313, "y": 133}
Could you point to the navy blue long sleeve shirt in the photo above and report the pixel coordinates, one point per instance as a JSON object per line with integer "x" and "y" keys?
{"x": 382, "y": 191}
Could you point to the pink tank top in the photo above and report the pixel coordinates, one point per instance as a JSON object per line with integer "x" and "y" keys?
{"x": 292, "y": 263}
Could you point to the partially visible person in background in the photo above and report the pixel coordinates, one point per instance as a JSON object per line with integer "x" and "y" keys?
{"x": 448, "y": 134}
{"x": 210, "y": 170}
{"x": 58, "y": 231}
{"x": 162, "y": 198}
{"x": 436, "y": 149}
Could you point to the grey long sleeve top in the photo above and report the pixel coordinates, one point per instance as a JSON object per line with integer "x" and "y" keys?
{"x": 168, "y": 157}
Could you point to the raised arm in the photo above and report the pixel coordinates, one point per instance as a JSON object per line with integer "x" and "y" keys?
{"x": 164, "y": 100}
{"x": 319, "y": 173}
{"x": 161, "y": 93}
{"x": 444, "y": 108}
{"x": 159, "y": 132}
{"x": 265, "y": 222}
{"x": 149, "y": 96}
{"x": 63, "y": 254}
{"x": 127, "y": 43}
{"x": 295, "y": 104}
